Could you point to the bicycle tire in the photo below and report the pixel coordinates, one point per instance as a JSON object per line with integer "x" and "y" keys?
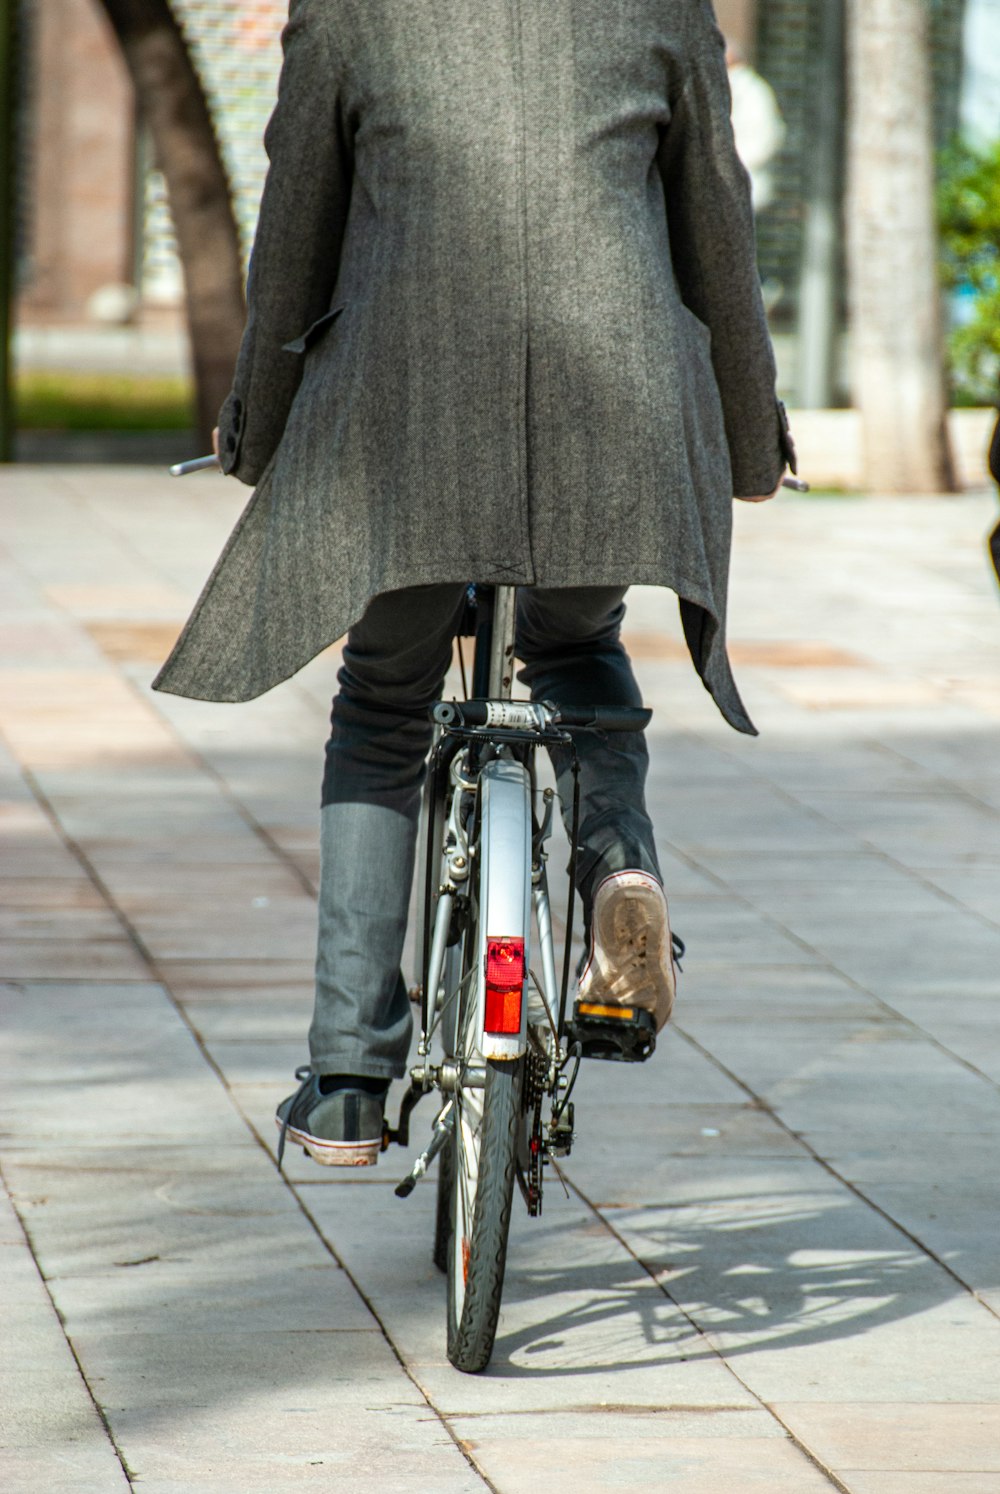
{"x": 454, "y": 961}
{"x": 442, "y": 1213}
{"x": 484, "y": 1142}
{"x": 477, "y": 1262}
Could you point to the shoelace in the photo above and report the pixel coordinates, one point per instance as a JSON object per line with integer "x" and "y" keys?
{"x": 305, "y": 1075}
{"x": 678, "y": 948}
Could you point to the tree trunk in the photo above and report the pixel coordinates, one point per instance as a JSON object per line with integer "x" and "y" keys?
{"x": 896, "y": 320}
{"x": 187, "y": 152}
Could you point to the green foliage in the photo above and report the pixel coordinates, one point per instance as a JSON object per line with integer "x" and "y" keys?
{"x": 71, "y": 401}
{"x": 969, "y": 218}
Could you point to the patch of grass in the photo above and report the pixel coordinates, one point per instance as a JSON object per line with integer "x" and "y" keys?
{"x": 51, "y": 400}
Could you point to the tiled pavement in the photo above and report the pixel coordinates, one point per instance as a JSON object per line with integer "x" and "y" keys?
{"x": 777, "y": 1263}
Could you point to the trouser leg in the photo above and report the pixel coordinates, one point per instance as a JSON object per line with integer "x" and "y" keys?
{"x": 570, "y": 642}
{"x": 394, "y": 665}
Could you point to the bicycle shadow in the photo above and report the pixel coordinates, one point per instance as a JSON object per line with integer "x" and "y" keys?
{"x": 724, "y": 1275}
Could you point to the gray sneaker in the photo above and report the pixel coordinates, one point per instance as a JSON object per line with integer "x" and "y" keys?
{"x": 631, "y": 962}
{"x": 340, "y": 1129}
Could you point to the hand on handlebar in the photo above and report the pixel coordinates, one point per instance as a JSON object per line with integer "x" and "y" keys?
{"x": 762, "y": 497}
{"x": 795, "y": 483}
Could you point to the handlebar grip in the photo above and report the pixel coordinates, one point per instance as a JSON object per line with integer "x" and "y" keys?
{"x": 468, "y": 713}
{"x": 604, "y": 718}
{"x": 196, "y": 464}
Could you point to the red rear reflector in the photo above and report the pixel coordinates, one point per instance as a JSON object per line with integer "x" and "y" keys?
{"x": 504, "y": 985}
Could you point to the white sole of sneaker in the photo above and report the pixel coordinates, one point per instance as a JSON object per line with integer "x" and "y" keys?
{"x": 335, "y": 1153}
{"x": 631, "y": 960}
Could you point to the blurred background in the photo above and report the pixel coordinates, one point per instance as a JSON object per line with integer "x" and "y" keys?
{"x": 133, "y": 166}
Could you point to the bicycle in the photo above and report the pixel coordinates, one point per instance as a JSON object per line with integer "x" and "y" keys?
{"x": 508, "y": 1045}
{"x": 510, "y": 1051}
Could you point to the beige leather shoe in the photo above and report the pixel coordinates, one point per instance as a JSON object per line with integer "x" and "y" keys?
{"x": 631, "y": 960}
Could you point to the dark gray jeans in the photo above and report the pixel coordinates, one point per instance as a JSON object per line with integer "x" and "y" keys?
{"x": 394, "y": 666}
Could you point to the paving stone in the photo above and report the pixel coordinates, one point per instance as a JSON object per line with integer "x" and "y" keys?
{"x": 390, "y": 1448}
{"x": 143, "y": 600}
{"x": 50, "y": 863}
{"x": 680, "y": 878}
{"x": 211, "y": 977}
{"x": 236, "y": 1376}
{"x": 143, "y": 888}
{"x": 81, "y": 918}
{"x": 273, "y": 1061}
{"x": 689, "y": 1454}
{"x": 676, "y": 1075}
{"x": 721, "y": 933}
{"x": 861, "y": 1078}
{"x": 270, "y": 1411}
{"x": 175, "y": 1240}
{"x": 900, "y": 1437}
{"x": 270, "y": 932}
{"x": 282, "y": 1015}
{"x": 863, "y": 1482}
{"x": 50, "y": 959}
{"x": 581, "y": 1323}
{"x": 775, "y": 1052}
{"x": 800, "y": 1285}
{"x": 123, "y": 1068}
{"x": 51, "y": 1436}
{"x": 966, "y": 1025}
{"x": 755, "y": 994}
{"x": 942, "y": 1189}
{"x": 974, "y": 886}
{"x": 838, "y": 881}
{"x": 714, "y": 1134}
{"x": 800, "y": 868}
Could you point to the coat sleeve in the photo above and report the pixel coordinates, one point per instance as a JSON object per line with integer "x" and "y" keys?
{"x": 296, "y": 251}
{"x": 710, "y": 219}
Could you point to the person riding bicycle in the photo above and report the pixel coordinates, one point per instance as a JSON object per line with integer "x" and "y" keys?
{"x": 505, "y": 326}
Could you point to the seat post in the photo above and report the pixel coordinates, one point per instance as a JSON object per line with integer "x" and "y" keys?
{"x": 502, "y": 642}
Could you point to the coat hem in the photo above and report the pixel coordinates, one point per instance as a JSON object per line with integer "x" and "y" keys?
{"x": 702, "y": 634}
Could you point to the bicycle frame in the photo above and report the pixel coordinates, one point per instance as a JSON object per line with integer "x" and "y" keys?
{"x": 512, "y": 881}
{"x": 505, "y": 900}
{"x": 511, "y": 878}
{"x": 488, "y": 984}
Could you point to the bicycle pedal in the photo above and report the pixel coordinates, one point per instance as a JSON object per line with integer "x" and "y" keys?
{"x": 617, "y": 1034}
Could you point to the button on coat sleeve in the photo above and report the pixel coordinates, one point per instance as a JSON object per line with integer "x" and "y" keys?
{"x": 296, "y": 251}
{"x": 710, "y": 221}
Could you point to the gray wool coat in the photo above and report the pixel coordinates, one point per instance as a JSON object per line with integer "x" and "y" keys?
{"x": 504, "y": 325}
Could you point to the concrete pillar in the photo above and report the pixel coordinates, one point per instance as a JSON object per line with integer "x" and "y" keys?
{"x": 81, "y": 161}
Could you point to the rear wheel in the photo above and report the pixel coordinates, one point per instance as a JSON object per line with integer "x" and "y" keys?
{"x": 478, "y": 1178}
{"x": 483, "y": 1162}
{"x": 442, "y": 1216}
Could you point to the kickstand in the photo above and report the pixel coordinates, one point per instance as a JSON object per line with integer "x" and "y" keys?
{"x": 443, "y": 1128}
{"x": 410, "y": 1100}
